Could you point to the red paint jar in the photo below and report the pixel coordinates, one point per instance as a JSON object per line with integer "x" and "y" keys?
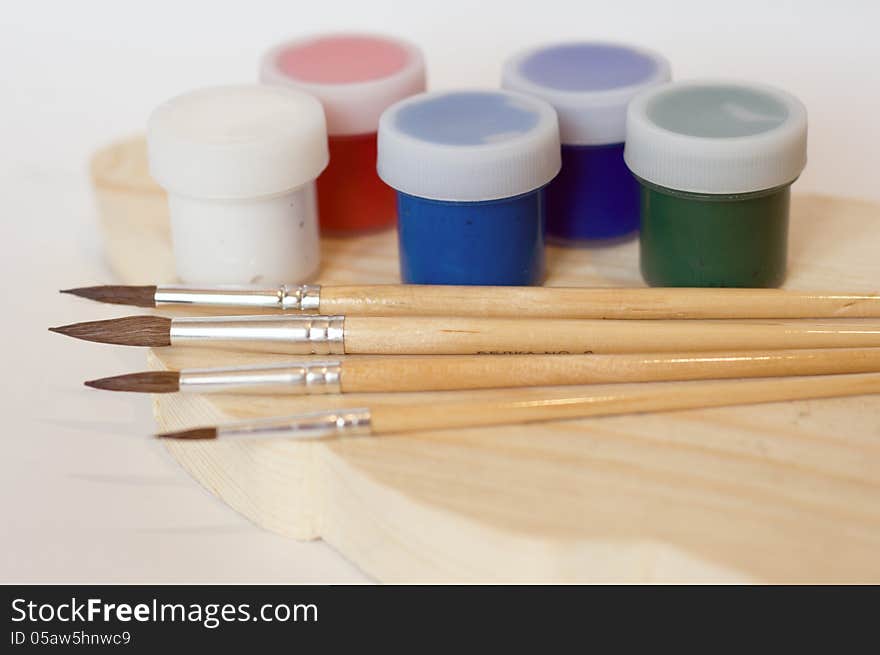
{"x": 356, "y": 77}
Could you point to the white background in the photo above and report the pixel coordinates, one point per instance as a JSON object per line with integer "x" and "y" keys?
{"x": 85, "y": 496}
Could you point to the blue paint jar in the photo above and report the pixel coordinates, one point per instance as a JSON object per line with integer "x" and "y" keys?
{"x": 470, "y": 168}
{"x": 594, "y": 197}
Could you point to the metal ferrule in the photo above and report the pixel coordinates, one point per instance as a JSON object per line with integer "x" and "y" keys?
{"x": 294, "y": 335}
{"x": 302, "y": 298}
{"x": 293, "y": 378}
{"x": 318, "y": 425}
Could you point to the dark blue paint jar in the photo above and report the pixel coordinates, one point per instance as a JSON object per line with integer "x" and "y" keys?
{"x": 595, "y": 197}
{"x": 470, "y": 170}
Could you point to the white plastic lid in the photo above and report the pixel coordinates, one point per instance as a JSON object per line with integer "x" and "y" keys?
{"x": 355, "y": 76}
{"x": 468, "y": 145}
{"x": 237, "y": 141}
{"x": 716, "y": 137}
{"x": 589, "y": 84}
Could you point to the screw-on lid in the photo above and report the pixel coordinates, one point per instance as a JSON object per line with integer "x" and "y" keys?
{"x": 355, "y": 76}
{"x": 468, "y": 145}
{"x": 237, "y": 141}
{"x": 716, "y": 137}
{"x": 589, "y": 84}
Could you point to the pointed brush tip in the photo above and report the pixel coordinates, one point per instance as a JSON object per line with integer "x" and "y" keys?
{"x": 116, "y": 294}
{"x": 145, "y": 382}
{"x": 150, "y": 331}
{"x": 80, "y": 292}
{"x": 192, "y": 434}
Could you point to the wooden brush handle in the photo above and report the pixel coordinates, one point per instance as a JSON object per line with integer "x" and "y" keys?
{"x": 459, "y": 336}
{"x": 562, "y": 302}
{"x": 448, "y": 372}
{"x": 531, "y": 405}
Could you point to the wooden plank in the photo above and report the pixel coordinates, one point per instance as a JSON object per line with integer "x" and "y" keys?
{"x": 788, "y": 492}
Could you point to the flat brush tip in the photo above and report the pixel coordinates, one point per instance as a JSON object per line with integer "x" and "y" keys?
{"x": 117, "y": 294}
{"x": 146, "y": 382}
{"x": 193, "y": 434}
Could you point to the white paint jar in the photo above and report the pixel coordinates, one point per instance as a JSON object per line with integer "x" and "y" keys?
{"x": 239, "y": 164}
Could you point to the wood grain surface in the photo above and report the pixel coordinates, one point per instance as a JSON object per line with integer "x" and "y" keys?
{"x": 783, "y": 492}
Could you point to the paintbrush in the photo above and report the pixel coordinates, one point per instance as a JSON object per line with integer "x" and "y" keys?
{"x": 513, "y": 302}
{"x": 449, "y": 372}
{"x": 483, "y": 408}
{"x": 369, "y": 335}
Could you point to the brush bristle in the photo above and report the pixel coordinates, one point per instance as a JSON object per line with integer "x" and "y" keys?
{"x": 117, "y": 294}
{"x": 193, "y": 434}
{"x": 146, "y": 382}
{"x": 150, "y": 331}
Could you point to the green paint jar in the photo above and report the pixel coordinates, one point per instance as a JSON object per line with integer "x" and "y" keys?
{"x": 715, "y": 161}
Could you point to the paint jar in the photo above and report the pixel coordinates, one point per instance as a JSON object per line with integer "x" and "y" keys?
{"x": 356, "y": 77}
{"x": 715, "y": 161}
{"x": 239, "y": 164}
{"x": 594, "y": 197}
{"x": 470, "y": 169}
